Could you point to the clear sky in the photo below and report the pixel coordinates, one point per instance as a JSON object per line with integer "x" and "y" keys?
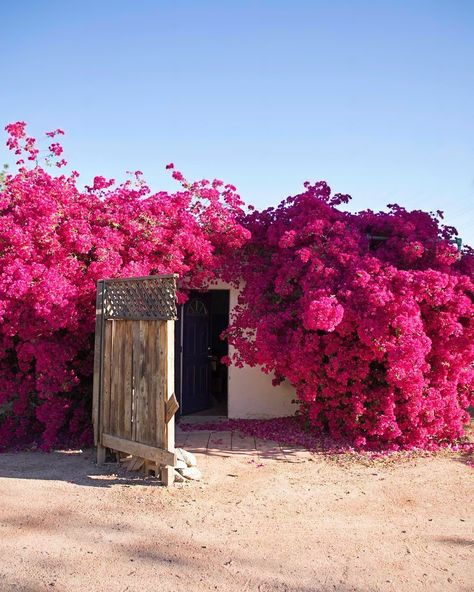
{"x": 376, "y": 97}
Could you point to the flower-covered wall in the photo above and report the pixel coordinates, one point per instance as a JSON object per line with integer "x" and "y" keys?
{"x": 368, "y": 317}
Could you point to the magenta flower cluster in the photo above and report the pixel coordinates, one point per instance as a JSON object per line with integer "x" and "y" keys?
{"x": 370, "y": 316}
{"x": 323, "y": 314}
{"x": 56, "y": 241}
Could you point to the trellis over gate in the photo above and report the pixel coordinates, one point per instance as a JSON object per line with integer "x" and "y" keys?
{"x": 133, "y": 399}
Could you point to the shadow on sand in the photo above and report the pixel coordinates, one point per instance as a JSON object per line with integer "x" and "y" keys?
{"x": 71, "y": 466}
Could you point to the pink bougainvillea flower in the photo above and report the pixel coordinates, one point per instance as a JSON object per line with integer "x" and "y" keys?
{"x": 56, "y": 149}
{"x": 323, "y": 314}
{"x": 178, "y": 176}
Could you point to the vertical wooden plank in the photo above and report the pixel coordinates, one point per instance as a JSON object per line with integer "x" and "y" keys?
{"x": 136, "y": 375}
{"x": 106, "y": 378}
{"x": 167, "y": 373}
{"x": 118, "y": 380}
{"x": 148, "y": 433}
{"x": 144, "y": 382}
{"x": 151, "y": 379}
{"x": 101, "y": 454}
{"x": 169, "y": 435}
{"x": 123, "y": 362}
{"x": 161, "y": 392}
{"x": 114, "y": 377}
{"x": 167, "y": 475}
{"x": 143, "y": 424}
{"x": 127, "y": 380}
{"x": 159, "y": 384}
{"x": 98, "y": 353}
{"x": 140, "y": 383}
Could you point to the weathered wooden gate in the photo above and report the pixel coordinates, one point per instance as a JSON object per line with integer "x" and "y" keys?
{"x": 134, "y": 403}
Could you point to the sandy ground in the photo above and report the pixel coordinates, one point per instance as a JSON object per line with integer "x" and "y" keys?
{"x": 263, "y": 519}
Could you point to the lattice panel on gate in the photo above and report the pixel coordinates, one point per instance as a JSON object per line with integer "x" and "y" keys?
{"x": 150, "y": 298}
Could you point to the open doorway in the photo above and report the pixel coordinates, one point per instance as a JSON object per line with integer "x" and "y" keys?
{"x": 201, "y": 378}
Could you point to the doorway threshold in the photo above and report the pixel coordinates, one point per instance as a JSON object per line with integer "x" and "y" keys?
{"x": 202, "y": 419}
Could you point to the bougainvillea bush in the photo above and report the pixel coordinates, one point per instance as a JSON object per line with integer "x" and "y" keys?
{"x": 56, "y": 241}
{"x": 369, "y": 316}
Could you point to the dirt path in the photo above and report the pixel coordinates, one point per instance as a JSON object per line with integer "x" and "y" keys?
{"x": 261, "y": 520}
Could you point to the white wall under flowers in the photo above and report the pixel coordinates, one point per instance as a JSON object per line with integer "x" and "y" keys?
{"x": 251, "y": 394}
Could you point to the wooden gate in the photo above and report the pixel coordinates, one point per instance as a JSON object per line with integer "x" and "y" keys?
{"x": 134, "y": 403}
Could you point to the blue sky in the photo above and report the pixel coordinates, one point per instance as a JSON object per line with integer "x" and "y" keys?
{"x": 377, "y": 98}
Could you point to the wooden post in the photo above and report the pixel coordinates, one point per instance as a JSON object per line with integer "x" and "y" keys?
{"x": 167, "y": 475}
{"x": 169, "y": 428}
{"x": 101, "y": 452}
{"x": 167, "y": 472}
{"x": 98, "y": 352}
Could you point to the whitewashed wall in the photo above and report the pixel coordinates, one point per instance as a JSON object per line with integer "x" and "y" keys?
{"x": 251, "y": 394}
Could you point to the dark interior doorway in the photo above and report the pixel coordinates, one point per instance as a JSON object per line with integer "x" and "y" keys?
{"x": 201, "y": 378}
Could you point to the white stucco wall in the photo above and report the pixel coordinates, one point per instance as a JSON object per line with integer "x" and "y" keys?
{"x": 251, "y": 394}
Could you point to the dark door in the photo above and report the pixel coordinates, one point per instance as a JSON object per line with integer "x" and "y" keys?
{"x": 196, "y": 385}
